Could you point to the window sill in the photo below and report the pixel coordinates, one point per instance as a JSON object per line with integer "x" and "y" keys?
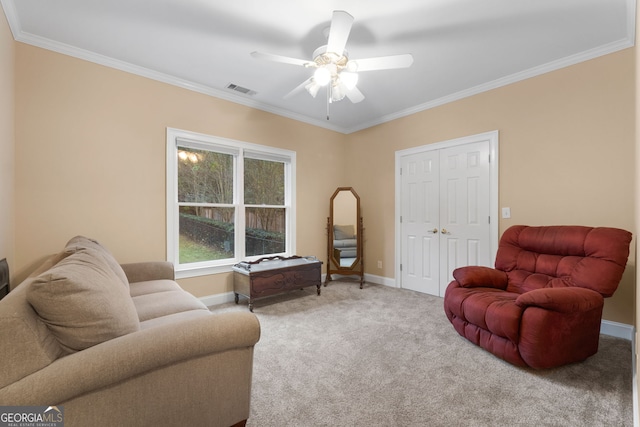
{"x": 207, "y": 270}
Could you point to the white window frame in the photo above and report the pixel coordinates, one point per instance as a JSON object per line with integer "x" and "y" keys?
{"x": 239, "y": 150}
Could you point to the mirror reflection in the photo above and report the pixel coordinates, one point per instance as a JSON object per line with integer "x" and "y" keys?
{"x": 344, "y": 229}
{"x": 345, "y": 239}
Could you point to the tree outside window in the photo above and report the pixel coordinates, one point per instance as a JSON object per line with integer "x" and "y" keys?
{"x": 206, "y": 211}
{"x": 227, "y": 201}
{"x": 264, "y": 207}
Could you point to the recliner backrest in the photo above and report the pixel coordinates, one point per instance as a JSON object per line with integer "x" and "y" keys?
{"x": 561, "y": 256}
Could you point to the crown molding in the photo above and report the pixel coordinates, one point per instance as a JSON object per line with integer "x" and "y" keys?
{"x": 12, "y": 17}
{"x": 127, "y": 67}
{"x": 34, "y": 40}
{"x": 504, "y": 81}
{"x": 624, "y": 43}
{"x": 31, "y": 39}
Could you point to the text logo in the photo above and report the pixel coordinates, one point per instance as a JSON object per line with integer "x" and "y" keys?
{"x": 31, "y": 416}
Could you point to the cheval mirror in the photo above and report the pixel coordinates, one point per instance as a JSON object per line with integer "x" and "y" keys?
{"x": 345, "y": 235}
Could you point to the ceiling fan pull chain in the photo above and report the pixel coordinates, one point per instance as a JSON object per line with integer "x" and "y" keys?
{"x": 328, "y": 100}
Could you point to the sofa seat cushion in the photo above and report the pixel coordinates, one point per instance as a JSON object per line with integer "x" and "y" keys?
{"x": 345, "y": 243}
{"x": 491, "y": 309}
{"x": 152, "y": 287}
{"x": 82, "y": 301}
{"x": 162, "y": 299}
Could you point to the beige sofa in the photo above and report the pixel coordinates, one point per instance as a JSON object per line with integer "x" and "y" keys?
{"x": 122, "y": 345}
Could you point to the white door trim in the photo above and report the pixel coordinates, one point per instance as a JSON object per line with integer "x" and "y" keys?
{"x": 492, "y": 137}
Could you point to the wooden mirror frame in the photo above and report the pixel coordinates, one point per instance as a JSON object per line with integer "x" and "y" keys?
{"x": 333, "y": 262}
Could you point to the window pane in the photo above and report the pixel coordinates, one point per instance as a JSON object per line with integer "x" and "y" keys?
{"x": 206, "y": 233}
{"x": 263, "y": 182}
{"x": 265, "y": 231}
{"x": 204, "y": 176}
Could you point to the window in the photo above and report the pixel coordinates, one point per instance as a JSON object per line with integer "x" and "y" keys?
{"x": 227, "y": 201}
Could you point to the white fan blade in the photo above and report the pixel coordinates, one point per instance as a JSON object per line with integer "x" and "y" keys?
{"x": 283, "y": 59}
{"x": 339, "y": 33}
{"x": 354, "y": 95}
{"x": 298, "y": 88}
{"x": 384, "y": 62}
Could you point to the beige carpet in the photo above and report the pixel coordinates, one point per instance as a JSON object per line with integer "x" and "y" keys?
{"x": 389, "y": 357}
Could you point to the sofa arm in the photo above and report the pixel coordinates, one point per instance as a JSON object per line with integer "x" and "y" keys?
{"x": 563, "y": 300}
{"x": 152, "y": 270}
{"x": 131, "y": 356}
{"x": 480, "y": 277}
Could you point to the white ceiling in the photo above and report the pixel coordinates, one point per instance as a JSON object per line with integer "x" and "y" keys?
{"x": 460, "y": 47}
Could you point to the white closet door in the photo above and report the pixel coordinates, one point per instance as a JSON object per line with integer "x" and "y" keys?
{"x": 464, "y": 209}
{"x": 420, "y": 222}
{"x": 445, "y": 209}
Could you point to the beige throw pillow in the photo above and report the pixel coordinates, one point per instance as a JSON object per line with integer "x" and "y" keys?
{"x": 81, "y": 303}
{"x": 79, "y": 243}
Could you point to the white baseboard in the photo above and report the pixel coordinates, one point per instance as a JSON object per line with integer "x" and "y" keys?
{"x": 634, "y": 379}
{"x": 217, "y": 299}
{"x": 627, "y": 332}
{"x": 380, "y": 280}
{"x": 618, "y": 330}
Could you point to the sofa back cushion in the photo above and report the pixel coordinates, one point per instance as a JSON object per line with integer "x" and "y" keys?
{"x": 83, "y": 301}
{"x": 341, "y": 232}
{"x": 561, "y": 256}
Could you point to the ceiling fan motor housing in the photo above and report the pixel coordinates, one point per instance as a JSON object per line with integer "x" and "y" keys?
{"x": 322, "y": 57}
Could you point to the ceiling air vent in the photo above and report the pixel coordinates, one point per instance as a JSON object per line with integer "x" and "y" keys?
{"x": 241, "y": 89}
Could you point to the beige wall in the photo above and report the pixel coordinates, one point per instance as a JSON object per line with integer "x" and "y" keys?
{"x": 7, "y": 47}
{"x": 637, "y": 213}
{"x": 566, "y": 153}
{"x": 90, "y": 157}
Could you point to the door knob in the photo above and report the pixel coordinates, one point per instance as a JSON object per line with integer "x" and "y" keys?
{"x": 444, "y": 231}
{"x": 434, "y": 231}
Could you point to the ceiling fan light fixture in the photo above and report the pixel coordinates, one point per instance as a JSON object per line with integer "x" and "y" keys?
{"x": 352, "y": 66}
{"x": 322, "y": 76}
{"x": 312, "y": 88}
{"x": 349, "y": 79}
{"x": 337, "y": 94}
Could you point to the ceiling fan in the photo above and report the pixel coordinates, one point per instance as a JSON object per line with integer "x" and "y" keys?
{"x": 333, "y": 68}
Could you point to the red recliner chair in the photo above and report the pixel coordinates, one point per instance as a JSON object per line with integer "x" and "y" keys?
{"x": 542, "y": 304}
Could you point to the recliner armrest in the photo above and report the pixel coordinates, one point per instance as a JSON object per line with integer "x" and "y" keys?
{"x": 564, "y": 300}
{"x": 151, "y": 270}
{"x": 480, "y": 277}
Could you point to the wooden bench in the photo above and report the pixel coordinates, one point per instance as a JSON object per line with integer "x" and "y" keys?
{"x": 275, "y": 275}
